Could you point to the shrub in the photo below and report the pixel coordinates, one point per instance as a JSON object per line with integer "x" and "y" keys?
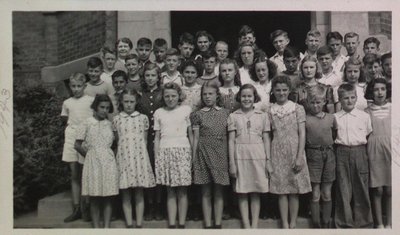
{"x": 38, "y": 142}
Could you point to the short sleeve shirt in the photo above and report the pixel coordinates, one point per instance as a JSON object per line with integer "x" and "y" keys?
{"x": 334, "y": 78}
{"x": 319, "y": 129}
{"x": 173, "y": 125}
{"x": 101, "y": 88}
{"x": 352, "y": 127}
{"x": 77, "y": 110}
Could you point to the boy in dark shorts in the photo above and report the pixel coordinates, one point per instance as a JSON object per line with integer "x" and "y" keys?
{"x": 320, "y": 156}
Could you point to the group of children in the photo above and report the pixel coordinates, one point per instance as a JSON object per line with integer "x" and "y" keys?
{"x": 288, "y": 125}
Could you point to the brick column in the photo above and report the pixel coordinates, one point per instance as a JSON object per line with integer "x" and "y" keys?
{"x": 51, "y": 38}
{"x": 111, "y": 28}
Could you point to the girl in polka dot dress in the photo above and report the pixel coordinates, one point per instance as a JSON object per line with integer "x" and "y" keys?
{"x": 210, "y": 151}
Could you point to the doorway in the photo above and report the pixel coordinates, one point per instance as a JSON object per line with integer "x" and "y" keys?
{"x": 225, "y": 25}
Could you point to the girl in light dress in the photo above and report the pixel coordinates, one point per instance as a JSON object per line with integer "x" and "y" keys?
{"x": 290, "y": 175}
{"x": 173, "y": 152}
{"x": 100, "y": 174}
{"x": 379, "y": 150}
{"x": 135, "y": 172}
{"x": 249, "y": 153}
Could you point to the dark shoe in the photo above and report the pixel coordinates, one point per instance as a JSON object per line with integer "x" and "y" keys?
{"x": 226, "y": 215}
{"x": 172, "y": 226}
{"x": 181, "y": 226}
{"x": 219, "y": 226}
{"x": 76, "y": 214}
{"x": 158, "y": 214}
{"x": 196, "y": 216}
{"x": 130, "y": 226}
{"x": 139, "y": 226}
{"x": 147, "y": 215}
{"x": 86, "y": 213}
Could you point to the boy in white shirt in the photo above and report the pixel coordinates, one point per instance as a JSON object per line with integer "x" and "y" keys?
{"x": 353, "y": 207}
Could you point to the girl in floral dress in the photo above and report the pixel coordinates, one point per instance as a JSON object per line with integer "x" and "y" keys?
{"x": 290, "y": 175}
{"x": 172, "y": 148}
{"x": 100, "y": 174}
{"x": 135, "y": 172}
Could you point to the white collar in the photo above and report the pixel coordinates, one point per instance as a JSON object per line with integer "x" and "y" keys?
{"x": 134, "y": 114}
{"x": 206, "y": 109}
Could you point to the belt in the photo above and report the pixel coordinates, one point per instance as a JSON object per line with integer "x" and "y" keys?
{"x": 319, "y": 147}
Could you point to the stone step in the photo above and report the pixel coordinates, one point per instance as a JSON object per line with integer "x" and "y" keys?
{"x": 31, "y": 220}
{"x": 55, "y": 206}
{"x": 53, "y": 209}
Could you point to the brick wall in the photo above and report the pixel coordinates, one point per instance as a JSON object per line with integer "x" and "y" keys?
{"x": 28, "y": 40}
{"x": 80, "y": 34}
{"x": 380, "y": 23}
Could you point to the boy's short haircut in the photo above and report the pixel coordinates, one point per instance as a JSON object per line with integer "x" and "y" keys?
{"x": 107, "y": 49}
{"x": 245, "y": 29}
{"x": 351, "y": 35}
{"x": 186, "y": 38}
{"x": 316, "y": 92}
{"x": 222, "y": 43}
{"x": 278, "y": 33}
{"x": 335, "y": 35}
{"x": 209, "y": 54}
{"x": 345, "y": 87}
{"x": 124, "y": 40}
{"x": 160, "y": 42}
{"x": 94, "y": 62}
{"x": 314, "y": 33}
{"x": 144, "y": 42}
{"x": 291, "y": 52}
{"x": 324, "y": 50}
{"x": 119, "y": 73}
{"x": 371, "y": 58}
{"x": 385, "y": 57}
{"x": 372, "y": 40}
{"x": 79, "y": 77}
{"x": 172, "y": 52}
{"x": 131, "y": 57}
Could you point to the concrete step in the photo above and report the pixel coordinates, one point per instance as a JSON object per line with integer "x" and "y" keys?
{"x": 31, "y": 220}
{"x": 53, "y": 209}
{"x": 55, "y": 206}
